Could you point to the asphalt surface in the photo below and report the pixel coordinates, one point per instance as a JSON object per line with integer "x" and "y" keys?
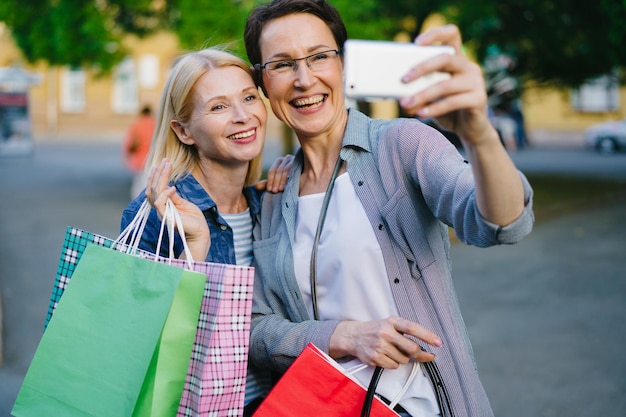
{"x": 546, "y": 316}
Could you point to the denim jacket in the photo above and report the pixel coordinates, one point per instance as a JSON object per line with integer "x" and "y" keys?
{"x": 222, "y": 248}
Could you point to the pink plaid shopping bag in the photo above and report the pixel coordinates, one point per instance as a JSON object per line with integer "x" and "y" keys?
{"x": 216, "y": 380}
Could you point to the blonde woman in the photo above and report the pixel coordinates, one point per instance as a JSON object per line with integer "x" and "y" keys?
{"x": 207, "y": 147}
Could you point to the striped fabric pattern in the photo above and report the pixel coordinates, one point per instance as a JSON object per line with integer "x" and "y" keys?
{"x": 241, "y": 223}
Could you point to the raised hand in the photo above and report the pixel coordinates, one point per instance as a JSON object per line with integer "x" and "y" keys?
{"x": 458, "y": 104}
{"x": 194, "y": 225}
{"x": 277, "y": 175}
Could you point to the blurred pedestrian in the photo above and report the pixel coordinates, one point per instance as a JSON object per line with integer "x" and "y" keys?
{"x": 136, "y": 147}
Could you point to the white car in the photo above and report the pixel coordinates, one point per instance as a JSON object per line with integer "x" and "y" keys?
{"x": 607, "y": 137}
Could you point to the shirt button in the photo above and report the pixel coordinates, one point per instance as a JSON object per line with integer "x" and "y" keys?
{"x": 223, "y": 227}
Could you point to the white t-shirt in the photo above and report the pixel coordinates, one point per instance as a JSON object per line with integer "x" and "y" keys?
{"x": 352, "y": 283}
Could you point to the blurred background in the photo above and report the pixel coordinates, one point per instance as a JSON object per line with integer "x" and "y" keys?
{"x": 83, "y": 69}
{"x": 546, "y": 316}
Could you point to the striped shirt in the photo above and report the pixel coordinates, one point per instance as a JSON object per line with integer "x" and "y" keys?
{"x": 241, "y": 223}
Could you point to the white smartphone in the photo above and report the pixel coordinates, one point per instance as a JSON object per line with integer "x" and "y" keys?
{"x": 373, "y": 69}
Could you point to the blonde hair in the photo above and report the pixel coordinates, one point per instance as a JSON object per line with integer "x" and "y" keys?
{"x": 176, "y": 104}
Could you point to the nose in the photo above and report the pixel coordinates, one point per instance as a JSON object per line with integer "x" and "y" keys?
{"x": 304, "y": 74}
{"x": 240, "y": 113}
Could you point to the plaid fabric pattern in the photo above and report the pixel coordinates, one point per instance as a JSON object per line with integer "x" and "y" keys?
{"x": 216, "y": 377}
{"x": 216, "y": 385}
{"x": 73, "y": 247}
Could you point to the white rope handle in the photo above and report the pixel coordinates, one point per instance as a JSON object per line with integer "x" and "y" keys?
{"x": 131, "y": 235}
{"x": 415, "y": 368}
{"x": 356, "y": 368}
{"x": 406, "y": 385}
{"x": 172, "y": 219}
{"x": 128, "y": 241}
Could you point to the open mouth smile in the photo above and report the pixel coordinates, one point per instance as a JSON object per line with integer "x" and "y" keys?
{"x": 243, "y": 135}
{"x": 309, "y": 102}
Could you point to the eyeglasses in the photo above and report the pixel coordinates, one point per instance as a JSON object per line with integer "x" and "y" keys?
{"x": 286, "y": 67}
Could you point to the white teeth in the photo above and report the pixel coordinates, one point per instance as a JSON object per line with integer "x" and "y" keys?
{"x": 243, "y": 135}
{"x": 308, "y": 101}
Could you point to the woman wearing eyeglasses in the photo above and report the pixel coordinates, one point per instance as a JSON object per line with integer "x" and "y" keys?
{"x": 375, "y": 285}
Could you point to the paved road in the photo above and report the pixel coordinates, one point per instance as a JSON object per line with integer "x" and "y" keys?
{"x": 546, "y": 316}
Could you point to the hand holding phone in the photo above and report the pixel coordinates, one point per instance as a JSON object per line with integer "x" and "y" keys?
{"x": 374, "y": 69}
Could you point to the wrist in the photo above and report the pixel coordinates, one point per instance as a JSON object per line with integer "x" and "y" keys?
{"x": 340, "y": 341}
{"x": 488, "y": 138}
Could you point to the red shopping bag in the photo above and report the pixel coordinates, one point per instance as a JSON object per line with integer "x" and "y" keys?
{"x": 317, "y": 386}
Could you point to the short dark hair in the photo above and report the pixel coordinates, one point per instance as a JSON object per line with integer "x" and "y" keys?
{"x": 264, "y": 13}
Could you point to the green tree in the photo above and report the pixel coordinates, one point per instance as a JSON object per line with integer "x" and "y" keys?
{"x": 220, "y": 22}
{"x": 383, "y": 19}
{"x": 78, "y": 33}
{"x": 553, "y": 42}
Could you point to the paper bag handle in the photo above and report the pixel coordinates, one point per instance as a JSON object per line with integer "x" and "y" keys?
{"x": 414, "y": 369}
{"x": 131, "y": 235}
{"x": 172, "y": 218}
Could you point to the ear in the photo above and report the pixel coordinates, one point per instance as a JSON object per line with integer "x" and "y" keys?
{"x": 181, "y": 132}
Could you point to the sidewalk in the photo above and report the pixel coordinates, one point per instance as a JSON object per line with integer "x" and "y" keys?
{"x": 546, "y": 316}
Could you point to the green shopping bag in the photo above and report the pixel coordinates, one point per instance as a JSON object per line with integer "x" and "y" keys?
{"x": 99, "y": 345}
{"x": 165, "y": 379}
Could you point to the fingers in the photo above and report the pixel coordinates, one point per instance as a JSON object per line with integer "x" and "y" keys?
{"x": 402, "y": 349}
{"x": 278, "y": 173}
{"x": 466, "y": 77}
{"x": 457, "y": 104}
{"x": 383, "y": 342}
{"x": 416, "y": 330}
{"x": 466, "y": 81}
{"x": 157, "y": 188}
{"x": 442, "y": 35}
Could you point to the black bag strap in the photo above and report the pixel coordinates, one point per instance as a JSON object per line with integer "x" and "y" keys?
{"x": 318, "y": 233}
{"x": 371, "y": 391}
{"x": 369, "y": 397}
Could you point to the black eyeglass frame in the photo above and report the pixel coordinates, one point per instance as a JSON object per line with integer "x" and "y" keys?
{"x": 259, "y": 67}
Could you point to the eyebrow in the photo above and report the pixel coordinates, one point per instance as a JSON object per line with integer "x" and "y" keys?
{"x": 285, "y": 55}
{"x": 219, "y": 98}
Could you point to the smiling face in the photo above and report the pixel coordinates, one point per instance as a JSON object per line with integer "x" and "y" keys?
{"x": 310, "y": 102}
{"x": 228, "y": 120}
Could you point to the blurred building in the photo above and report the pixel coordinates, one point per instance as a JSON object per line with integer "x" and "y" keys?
{"x": 76, "y": 103}
{"x": 71, "y": 103}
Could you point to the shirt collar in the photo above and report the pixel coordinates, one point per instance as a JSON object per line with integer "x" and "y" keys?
{"x": 357, "y": 130}
{"x": 190, "y": 189}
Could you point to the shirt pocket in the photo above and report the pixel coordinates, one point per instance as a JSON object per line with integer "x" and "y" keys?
{"x": 265, "y": 251}
{"x": 402, "y": 219}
